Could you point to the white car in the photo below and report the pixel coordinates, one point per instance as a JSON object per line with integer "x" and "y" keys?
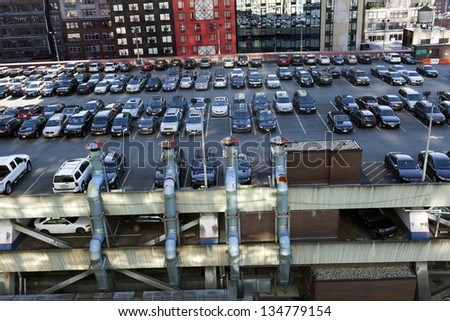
{"x": 72, "y": 176}
{"x": 34, "y": 89}
{"x": 393, "y": 58}
{"x": 134, "y": 106}
{"x": 186, "y": 83}
{"x": 219, "y": 106}
{"x": 272, "y": 81}
{"x": 220, "y": 82}
{"x": 102, "y": 87}
{"x": 55, "y": 125}
{"x": 282, "y": 102}
{"x": 80, "y": 225}
{"x": 171, "y": 121}
{"x": 412, "y": 77}
{"x": 194, "y": 124}
{"x": 111, "y": 66}
{"x": 228, "y": 63}
{"x": 323, "y": 60}
{"x": 236, "y": 72}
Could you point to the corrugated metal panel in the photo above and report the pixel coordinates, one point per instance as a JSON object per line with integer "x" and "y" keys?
{"x": 214, "y": 200}
{"x": 215, "y": 255}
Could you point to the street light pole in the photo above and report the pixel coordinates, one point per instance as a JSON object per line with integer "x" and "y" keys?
{"x": 385, "y": 24}
{"x": 133, "y": 30}
{"x": 425, "y": 161}
{"x": 205, "y": 174}
{"x": 53, "y": 34}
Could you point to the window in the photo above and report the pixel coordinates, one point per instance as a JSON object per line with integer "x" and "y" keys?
{"x": 194, "y": 49}
{"x": 73, "y": 37}
{"x": 149, "y": 17}
{"x": 91, "y": 36}
{"x": 152, "y": 51}
{"x": 212, "y": 26}
{"x": 166, "y": 28}
{"x": 226, "y": 3}
{"x": 198, "y": 38}
{"x": 216, "y": 15}
{"x": 151, "y": 39}
{"x": 74, "y": 49}
{"x": 124, "y": 52}
{"x": 117, "y": 7}
{"x": 168, "y": 50}
{"x": 227, "y": 25}
{"x": 121, "y": 31}
{"x": 72, "y": 25}
{"x": 180, "y": 4}
{"x": 182, "y": 27}
{"x": 122, "y": 41}
{"x": 88, "y": 12}
{"x": 197, "y": 27}
{"x": 134, "y": 18}
{"x": 133, "y": 7}
{"x": 136, "y": 29}
{"x": 167, "y": 39}
{"x": 183, "y": 38}
{"x": 227, "y": 14}
{"x": 228, "y": 36}
{"x": 88, "y": 24}
{"x": 92, "y": 48}
{"x": 228, "y": 47}
{"x": 150, "y": 29}
{"x": 109, "y": 47}
{"x": 119, "y": 19}
{"x": 164, "y": 16}
{"x": 163, "y": 5}
{"x": 138, "y": 50}
{"x": 137, "y": 40}
{"x": 192, "y": 15}
{"x": 181, "y": 16}
{"x": 148, "y": 6}
{"x": 183, "y": 49}
{"x": 191, "y": 4}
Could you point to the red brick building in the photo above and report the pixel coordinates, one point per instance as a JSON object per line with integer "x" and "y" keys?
{"x": 204, "y": 27}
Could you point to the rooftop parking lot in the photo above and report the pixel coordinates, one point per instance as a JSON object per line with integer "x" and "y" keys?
{"x": 142, "y": 152}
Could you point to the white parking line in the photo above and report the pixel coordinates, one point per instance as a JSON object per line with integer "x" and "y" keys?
{"x": 125, "y": 179}
{"x": 334, "y": 106}
{"x": 33, "y": 183}
{"x": 301, "y": 125}
{"x": 279, "y": 128}
{"x": 413, "y": 117}
{"x": 85, "y": 138}
{"x": 321, "y": 118}
{"x": 401, "y": 127}
{"x": 134, "y": 136}
{"x": 207, "y": 124}
{"x": 15, "y": 140}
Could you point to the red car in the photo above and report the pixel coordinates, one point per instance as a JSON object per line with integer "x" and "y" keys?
{"x": 147, "y": 66}
{"x": 283, "y": 60}
{"x": 29, "y": 111}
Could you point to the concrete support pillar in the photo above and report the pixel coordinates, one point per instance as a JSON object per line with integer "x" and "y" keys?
{"x": 7, "y": 283}
{"x": 210, "y": 277}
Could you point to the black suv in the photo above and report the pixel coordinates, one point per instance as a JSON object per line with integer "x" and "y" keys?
{"x": 94, "y": 106}
{"x": 242, "y": 60}
{"x": 67, "y": 87}
{"x": 378, "y": 224}
{"x": 9, "y": 126}
{"x": 180, "y": 162}
{"x": 358, "y": 77}
{"x": 79, "y": 124}
{"x": 241, "y": 118}
{"x": 115, "y": 167}
{"x": 122, "y": 125}
{"x": 102, "y": 122}
{"x": 161, "y": 64}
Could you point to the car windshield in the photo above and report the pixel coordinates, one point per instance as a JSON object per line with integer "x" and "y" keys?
{"x": 266, "y": 116}
{"x": 53, "y": 122}
{"x": 116, "y": 83}
{"x": 134, "y": 81}
{"x": 371, "y": 101}
{"x": 360, "y": 74}
{"x": 348, "y": 100}
{"x": 442, "y": 163}
{"x": 431, "y": 109}
{"x": 272, "y": 77}
{"x": 70, "y": 110}
{"x": 428, "y": 68}
{"x": 65, "y": 84}
{"x": 34, "y": 85}
{"x": 29, "y": 123}
{"x": 387, "y": 112}
{"x": 415, "y": 97}
{"x": 340, "y": 118}
{"x": 394, "y": 100}
{"x": 130, "y": 105}
{"x": 283, "y": 100}
{"x": 395, "y": 75}
{"x": 146, "y": 121}
{"x": 413, "y": 74}
{"x": 90, "y": 106}
{"x": 110, "y": 167}
{"x": 100, "y": 120}
{"x": 49, "y": 86}
{"x": 120, "y": 121}
{"x": 407, "y": 164}
{"x": 154, "y": 103}
{"x": 306, "y": 99}
{"x": 170, "y": 119}
{"x": 194, "y": 120}
{"x": 76, "y": 120}
{"x": 241, "y": 114}
{"x": 49, "y": 109}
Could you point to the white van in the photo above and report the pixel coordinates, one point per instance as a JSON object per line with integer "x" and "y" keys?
{"x": 409, "y": 97}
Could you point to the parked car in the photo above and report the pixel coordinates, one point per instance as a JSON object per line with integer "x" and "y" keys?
{"x": 201, "y": 83}
{"x": 350, "y": 60}
{"x": 427, "y": 71}
{"x": 148, "y": 125}
{"x": 118, "y": 86}
{"x": 138, "y": 222}
{"x": 334, "y": 71}
{"x": 364, "y": 59}
{"x": 52, "y": 109}
{"x": 190, "y": 64}
{"x": 170, "y": 84}
{"x": 283, "y": 60}
{"x": 5, "y": 90}
{"x": 323, "y": 60}
{"x": 284, "y": 73}
{"x": 339, "y": 122}
{"x": 134, "y": 107}
{"x": 323, "y": 78}
{"x": 366, "y": 102}
{"x": 408, "y": 59}
{"x": 147, "y": 66}
{"x": 63, "y": 225}
{"x": 153, "y": 84}
{"x": 70, "y": 110}
{"x": 394, "y": 78}
{"x": 402, "y": 167}
{"x": 303, "y": 102}
{"x": 392, "y": 58}
{"x": 266, "y": 120}
{"x": 126, "y": 67}
{"x": 122, "y": 125}
{"x": 241, "y": 118}
{"x": 157, "y": 105}
{"x": 304, "y": 78}
{"x": 242, "y": 60}
{"x": 55, "y": 125}
{"x": 175, "y": 63}
{"x": 94, "y": 106}
{"x": 9, "y": 126}
{"x": 363, "y": 118}
{"x": 254, "y": 78}
{"x": 12, "y": 168}
{"x": 186, "y": 83}
{"x": 337, "y": 60}
{"x": 379, "y": 225}
{"x": 194, "y": 122}
{"x": 161, "y": 64}
{"x": 32, "y": 127}
{"x": 171, "y": 122}
{"x": 198, "y": 169}
{"x": 427, "y": 111}
{"x": 85, "y": 88}
{"x": 438, "y": 165}
{"x": 102, "y": 87}
{"x": 281, "y": 102}
{"x": 219, "y": 106}
{"x": 378, "y": 70}
{"x": 205, "y": 62}
{"x": 386, "y": 116}
{"x": 228, "y": 63}
{"x": 256, "y": 62}
{"x": 309, "y": 59}
{"x": 412, "y": 77}
{"x": 79, "y": 124}
{"x": 115, "y": 107}
{"x": 296, "y": 60}
{"x": 111, "y": 66}
{"x": 102, "y": 122}
{"x": 346, "y": 103}
{"x": 115, "y": 168}
{"x": 272, "y": 81}
{"x": 135, "y": 85}
{"x": 34, "y": 89}
{"x": 30, "y": 111}
{"x": 96, "y": 67}
{"x": 259, "y": 102}
{"x": 72, "y": 176}
{"x": 444, "y": 107}
{"x": 358, "y": 77}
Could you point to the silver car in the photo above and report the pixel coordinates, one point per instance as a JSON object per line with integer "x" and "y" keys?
{"x": 194, "y": 122}
{"x": 219, "y": 106}
{"x": 282, "y": 103}
{"x": 134, "y": 107}
{"x": 55, "y": 125}
{"x": 412, "y": 77}
{"x": 272, "y": 81}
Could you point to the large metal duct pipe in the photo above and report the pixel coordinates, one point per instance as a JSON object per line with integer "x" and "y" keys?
{"x": 170, "y": 177}
{"x": 231, "y": 183}
{"x": 95, "y": 205}
{"x": 279, "y": 172}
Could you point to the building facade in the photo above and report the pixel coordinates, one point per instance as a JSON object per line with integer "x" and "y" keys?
{"x": 26, "y": 29}
{"x": 205, "y": 27}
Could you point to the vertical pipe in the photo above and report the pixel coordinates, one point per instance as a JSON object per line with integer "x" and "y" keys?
{"x": 95, "y": 246}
